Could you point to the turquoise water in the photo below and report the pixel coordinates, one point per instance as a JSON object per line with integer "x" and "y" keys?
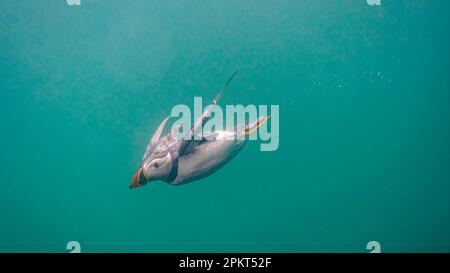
{"x": 364, "y": 125}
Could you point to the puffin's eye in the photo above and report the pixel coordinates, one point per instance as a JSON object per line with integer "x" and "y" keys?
{"x": 156, "y": 165}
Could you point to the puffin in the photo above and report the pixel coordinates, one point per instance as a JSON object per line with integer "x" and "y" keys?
{"x": 178, "y": 161}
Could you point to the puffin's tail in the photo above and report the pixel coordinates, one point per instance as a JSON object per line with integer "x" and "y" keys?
{"x": 253, "y": 127}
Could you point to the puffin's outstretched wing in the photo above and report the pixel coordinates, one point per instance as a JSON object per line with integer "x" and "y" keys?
{"x": 154, "y": 140}
{"x": 207, "y": 113}
{"x": 185, "y": 145}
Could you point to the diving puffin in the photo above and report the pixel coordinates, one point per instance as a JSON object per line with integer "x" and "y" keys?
{"x": 179, "y": 161}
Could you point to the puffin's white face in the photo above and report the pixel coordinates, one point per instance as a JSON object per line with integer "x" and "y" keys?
{"x": 157, "y": 167}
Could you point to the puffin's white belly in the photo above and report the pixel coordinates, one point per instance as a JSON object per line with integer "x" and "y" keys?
{"x": 207, "y": 157}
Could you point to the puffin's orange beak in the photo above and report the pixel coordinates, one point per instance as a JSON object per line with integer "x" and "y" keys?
{"x": 139, "y": 179}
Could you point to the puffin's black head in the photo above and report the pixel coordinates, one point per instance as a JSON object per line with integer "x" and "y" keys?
{"x": 156, "y": 167}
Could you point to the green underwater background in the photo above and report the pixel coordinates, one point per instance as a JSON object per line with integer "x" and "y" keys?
{"x": 364, "y": 103}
